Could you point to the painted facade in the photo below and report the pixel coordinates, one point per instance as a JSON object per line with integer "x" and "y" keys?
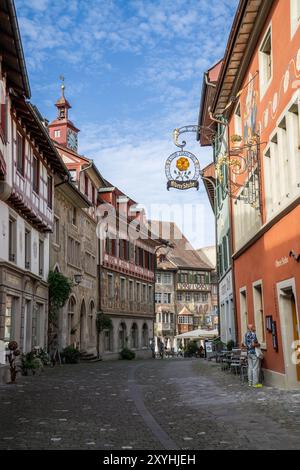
{"x": 264, "y": 201}
{"x": 185, "y": 295}
{"x": 29, "y": 163}
{"x": 127, "y": 278}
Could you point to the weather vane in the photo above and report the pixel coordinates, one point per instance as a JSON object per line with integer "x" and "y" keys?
{"x": 62, "y": 78}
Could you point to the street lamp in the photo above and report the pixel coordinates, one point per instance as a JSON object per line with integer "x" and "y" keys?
{"x": 78, "y": 278}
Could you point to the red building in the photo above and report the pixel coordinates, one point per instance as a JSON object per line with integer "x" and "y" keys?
{"x": 258, "y": 97}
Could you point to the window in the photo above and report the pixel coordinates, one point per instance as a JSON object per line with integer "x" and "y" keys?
{"x": 185, "y": 320}
{"x": 27, "y": 248}
{"x": 158, "y": 297}
{"x": 179, "y": 296}
{"x": 71, "y": 316}
{"x": 204, "y": 297}
{"x": 12, "y": 240}
{"x": 107, "y": 340}
{"x": 56, "y": 230}
{"x": 8, "y": 317}
{"x": 259, "y": 313}
{"x": 73, "y": 252}
{"x": 134, "y": 336}
{"x": 90, "y": 264}
{"x": 74, "y": 216}
{"x": 20, "y": 153}
{"x": 225, "y": 253}
{"x": 35, "y": 174}
{"x": 3, "y": 111}
{"x": 50, "y": 191}
{"x": 145, "y": 336}
{"x": 110, "y": 286}
{"x": 183, "y": 277}
{"x": 265, "y": 62}
{"x": 167, "y": 298}
{"x": 73, "y": 175}
{"x": 56, "y": 133}
{"x": 144, "y": 298}
{"x": 41, "y": 257}
{"x": 86, "y": 185}
{"x": 197, "y": 297}
{"x": 150, "y": 295}
{"x": 238, "y": 120}
{"x": 188, "y": 296}
{"x": 295, "y": 16}
{"x": 123, "y": 289}
{"x": 243, "y": 313}
{"x": 131, "y": 298}
{"x": 138, "y": 292}
{"x": 36, "y": 325}
{"x": 167, "y": 278}
{"x": 158, "y": 278}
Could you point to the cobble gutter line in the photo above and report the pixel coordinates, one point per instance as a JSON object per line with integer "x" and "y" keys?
{"x": 148, "y": 418}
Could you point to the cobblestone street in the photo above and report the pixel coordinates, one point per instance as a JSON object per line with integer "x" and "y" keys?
{"x": 153, "y": 405}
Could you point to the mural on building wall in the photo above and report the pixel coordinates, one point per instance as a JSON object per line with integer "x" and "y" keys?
{"x": 250, "y": 110}
{"x": 290, "y": 78}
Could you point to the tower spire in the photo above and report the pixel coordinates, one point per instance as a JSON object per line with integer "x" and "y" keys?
{"x": 62, "y": 104}
{"x": 63, "y": 87}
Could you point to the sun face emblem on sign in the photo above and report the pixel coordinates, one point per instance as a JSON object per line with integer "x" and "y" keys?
{"x": 182, "y": 170}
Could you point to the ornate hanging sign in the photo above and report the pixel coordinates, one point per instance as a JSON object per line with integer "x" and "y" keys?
{"x": 182, "y": 170}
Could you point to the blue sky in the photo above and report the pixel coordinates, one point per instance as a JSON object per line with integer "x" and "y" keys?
{"x": 133, "y": 71}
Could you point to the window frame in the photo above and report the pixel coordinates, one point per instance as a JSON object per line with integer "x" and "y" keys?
{"x": 264, "y": 83}
{"x": 20, "y": 136}
{"x": 294, "y": 16}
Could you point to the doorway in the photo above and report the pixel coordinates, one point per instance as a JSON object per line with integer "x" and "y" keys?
{"x": 82, "y": 336}
{"x": 289, "y": 321}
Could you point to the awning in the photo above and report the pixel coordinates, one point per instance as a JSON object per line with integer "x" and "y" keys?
{"x": 199, "y": 334}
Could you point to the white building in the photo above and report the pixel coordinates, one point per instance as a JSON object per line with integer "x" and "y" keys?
{"x": 28, "y": 162}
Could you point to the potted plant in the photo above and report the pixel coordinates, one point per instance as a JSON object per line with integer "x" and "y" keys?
{"x": 236, "y": 140}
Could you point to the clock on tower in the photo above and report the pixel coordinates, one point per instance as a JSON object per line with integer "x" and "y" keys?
{"x": 72, "y": 140}
{"x": 62, "y": 130}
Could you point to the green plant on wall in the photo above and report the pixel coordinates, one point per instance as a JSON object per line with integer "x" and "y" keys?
{"x": 103, "y": 322}
{"x": 60, "y": 288}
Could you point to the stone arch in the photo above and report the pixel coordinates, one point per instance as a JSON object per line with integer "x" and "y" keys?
{"x": 122, "y": 335}
{"x": 56, "y": 268}
{"x": 71, "y": 310}
{"x": 145, "y": 336}
{"x": 134, "y": 336}
{"x": 91, "y": 320}
{"x": 82, "y": 327}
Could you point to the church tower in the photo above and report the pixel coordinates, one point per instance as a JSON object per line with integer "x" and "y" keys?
{"x": 62, "y": 130}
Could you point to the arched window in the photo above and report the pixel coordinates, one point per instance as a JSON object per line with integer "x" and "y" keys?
{"x": 71, "y": 319}
{"x": 134, "y": 336}
{"x": 145, "y": 336}
{"x": 122, "y": 335}
{"x": 91, "y": 321}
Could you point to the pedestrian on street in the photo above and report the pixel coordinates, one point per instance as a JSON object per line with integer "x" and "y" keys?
{"x": 254, "y": 362}
{"x": 161, "y": 349}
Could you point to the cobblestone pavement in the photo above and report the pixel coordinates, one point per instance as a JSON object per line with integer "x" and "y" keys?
{"x": 153, "y": 405}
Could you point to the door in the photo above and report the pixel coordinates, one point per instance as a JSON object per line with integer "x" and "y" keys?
{"x": 296, "y": 335}
{"x": 82, "y": 337}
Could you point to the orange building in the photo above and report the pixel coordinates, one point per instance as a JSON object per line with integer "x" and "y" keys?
{"x": 258, "y": 96}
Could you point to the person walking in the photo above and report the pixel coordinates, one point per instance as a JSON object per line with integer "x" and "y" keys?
{"x": 161, "y": 349}
{"x": 254, "y": 362}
